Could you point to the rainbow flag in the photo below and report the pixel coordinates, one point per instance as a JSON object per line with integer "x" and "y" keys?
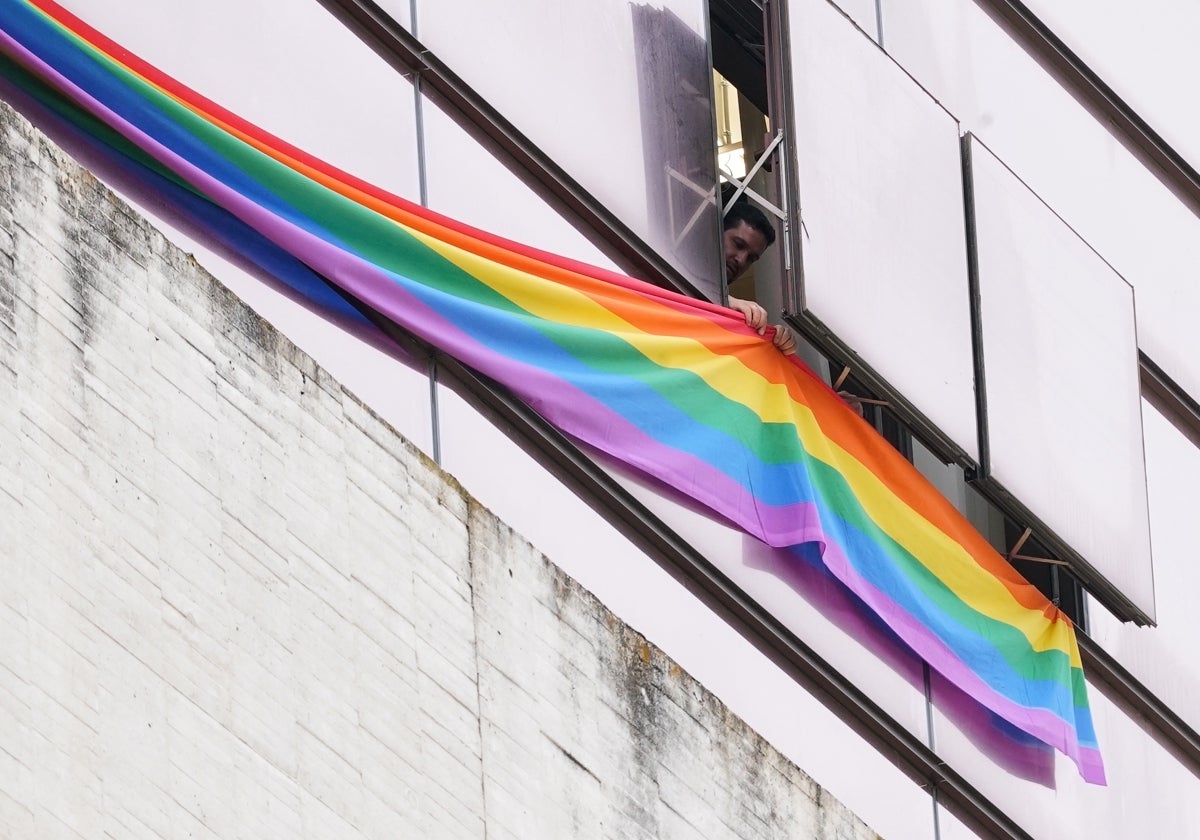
{"x": 678, "y": 388}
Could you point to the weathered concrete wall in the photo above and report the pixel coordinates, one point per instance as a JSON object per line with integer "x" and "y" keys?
{"x": 235, "y": 604}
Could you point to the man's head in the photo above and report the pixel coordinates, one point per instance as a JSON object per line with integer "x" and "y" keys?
{"x": 747, "y": 233}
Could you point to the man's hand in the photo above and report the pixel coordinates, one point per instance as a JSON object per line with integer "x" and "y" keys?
{"x": 755, "y": 315}
{"x": 756, "y": 319}
{"x": 784, "y": 340}
{"x": 852, "y": 400}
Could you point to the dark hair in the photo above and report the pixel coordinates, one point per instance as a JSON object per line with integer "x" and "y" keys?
{"x": 743, "y": 211}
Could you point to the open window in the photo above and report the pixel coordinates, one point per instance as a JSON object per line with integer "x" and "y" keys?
{"x": 872, "y": 265}
{"x": 746, "y": 145}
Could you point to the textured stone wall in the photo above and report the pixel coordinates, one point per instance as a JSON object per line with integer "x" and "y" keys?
{"x": 235, "y": 604}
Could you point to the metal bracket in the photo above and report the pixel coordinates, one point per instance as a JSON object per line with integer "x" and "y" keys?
{"x": 743, "y": 185}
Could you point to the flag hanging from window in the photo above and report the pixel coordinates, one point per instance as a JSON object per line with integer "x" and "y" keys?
{"x": 678, "y": 388}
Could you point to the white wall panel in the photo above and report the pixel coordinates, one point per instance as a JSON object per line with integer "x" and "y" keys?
{"x": 863, "y": 13}
{"x": 1064, "y": 428}
{"x": 464, "y": 181}
{"x": 1149, "y": 792}
{"x": 619, "y": 94}
{"x": 952, "y": 828}
{"x": 399, "y": 11}
{"x": 1067, "y": 157}
{"x": 1164, "y": 657}
{"x": 1145, "y": 51}
{"x": 883, "y": 240}
{"x": 284, "y": 65}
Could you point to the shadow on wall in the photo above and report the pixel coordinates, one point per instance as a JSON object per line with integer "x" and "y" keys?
{"x": 675, "y": 92}
{"x": 802, "y": 570}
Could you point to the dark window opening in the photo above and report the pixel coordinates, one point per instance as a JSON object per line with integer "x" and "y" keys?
{"x": 1028, "y": 555}
{"x": 743, "y": 125}
{"x": 739, "y": 47}
{"x": 1053, "y": 578}
{"x": 873, "y": 410}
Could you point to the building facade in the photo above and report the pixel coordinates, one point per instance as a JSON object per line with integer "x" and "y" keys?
{"x": 986, "y": 213}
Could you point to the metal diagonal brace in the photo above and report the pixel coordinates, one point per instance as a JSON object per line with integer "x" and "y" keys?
{"x": 743, "y": 186}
